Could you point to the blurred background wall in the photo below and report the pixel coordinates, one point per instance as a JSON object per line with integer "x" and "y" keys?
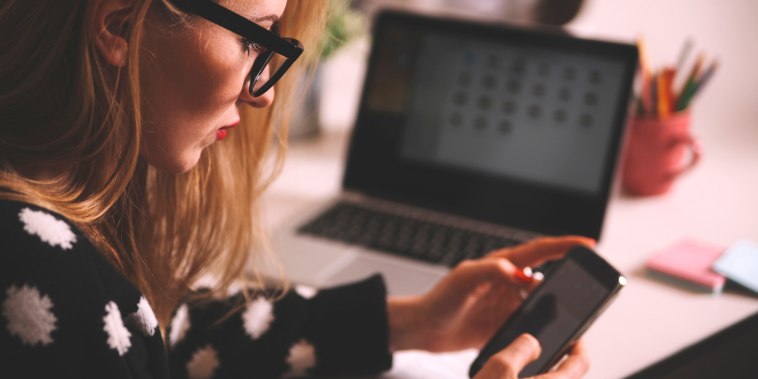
{"x": 727, "y": 109}
{"x": 726, "y": 112}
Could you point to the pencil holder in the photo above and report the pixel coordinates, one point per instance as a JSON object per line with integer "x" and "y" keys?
{"x": 656, "y": 153}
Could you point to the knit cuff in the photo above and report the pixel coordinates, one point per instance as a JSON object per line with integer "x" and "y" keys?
{"x": 348, "y": 325}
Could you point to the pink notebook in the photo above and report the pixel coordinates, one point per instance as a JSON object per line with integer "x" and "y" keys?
{"x": 688, "y": 263}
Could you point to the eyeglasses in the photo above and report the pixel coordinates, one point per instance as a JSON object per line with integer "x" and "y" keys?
{"x": 278, "y": 54}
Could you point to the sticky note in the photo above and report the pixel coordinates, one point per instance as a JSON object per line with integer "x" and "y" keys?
{"x": 688, "y": 263}
{"x": 740, "y": 264}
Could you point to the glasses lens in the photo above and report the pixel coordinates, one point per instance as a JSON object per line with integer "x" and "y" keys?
{"x": 269, "y": 67}
{"x": 266, "y": 71}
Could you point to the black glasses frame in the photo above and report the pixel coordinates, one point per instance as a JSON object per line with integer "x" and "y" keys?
{"x": 289, "y": 48}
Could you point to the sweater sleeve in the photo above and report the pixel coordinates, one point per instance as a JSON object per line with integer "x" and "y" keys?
{"x": 336, "y": 331}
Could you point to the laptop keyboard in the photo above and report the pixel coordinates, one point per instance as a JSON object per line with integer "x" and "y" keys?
{"x": 401, "y": 235}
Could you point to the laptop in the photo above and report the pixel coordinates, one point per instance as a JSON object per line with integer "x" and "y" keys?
{"x": 469, "y": 137}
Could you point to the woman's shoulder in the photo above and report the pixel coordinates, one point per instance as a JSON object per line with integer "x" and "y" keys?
{"x": 31, "y": 227}
{"x": 43, "y": 251}
{"x": 41, "y": 246}
{"x": 34, "y": 238}
{"x": 61, "y": 297}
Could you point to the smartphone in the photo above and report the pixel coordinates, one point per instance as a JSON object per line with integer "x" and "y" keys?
{"x": 575, "y": 291}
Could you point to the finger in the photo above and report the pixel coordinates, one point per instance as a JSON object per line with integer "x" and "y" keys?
{"x": 538, "y": 251}
{"x": 471, "y": 274}
{"x": 536, "y": 281}
{"x": 575, "y": 365}
{"x": 529, "y": 279}
{"x": 510, "y": 361}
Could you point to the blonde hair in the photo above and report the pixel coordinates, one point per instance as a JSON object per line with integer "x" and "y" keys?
{"x": 64, "y": 109}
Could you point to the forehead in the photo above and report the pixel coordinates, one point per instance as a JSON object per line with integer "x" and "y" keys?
{"x": 256, "y": 9}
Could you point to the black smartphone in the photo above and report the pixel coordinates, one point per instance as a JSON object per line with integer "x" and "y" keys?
{"x": 575, "y": 291}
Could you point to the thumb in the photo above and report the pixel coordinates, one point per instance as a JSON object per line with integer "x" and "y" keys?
{"x": 509, "y": 362}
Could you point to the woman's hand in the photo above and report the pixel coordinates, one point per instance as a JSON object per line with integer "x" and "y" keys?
{"x": 468, "y": 305}
{"x": 507, "y": 363}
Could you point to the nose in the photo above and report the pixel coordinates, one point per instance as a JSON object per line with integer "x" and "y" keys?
{"x": 261, "y": 101}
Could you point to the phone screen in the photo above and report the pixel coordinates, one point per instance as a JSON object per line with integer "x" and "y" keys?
{"x": 559, "y": 310}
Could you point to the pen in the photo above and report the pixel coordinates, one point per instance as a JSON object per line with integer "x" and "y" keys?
{"x": 529, "y": 277}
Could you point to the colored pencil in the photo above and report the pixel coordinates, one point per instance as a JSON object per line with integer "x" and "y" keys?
{"x": 665, "y": 101}
{"x": 690, "y": 93}
{"x": 646, "y": 91}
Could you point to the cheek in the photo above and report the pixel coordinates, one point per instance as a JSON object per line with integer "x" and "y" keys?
{"x": 190, "y": 85}
{"x": 197, "y": 78}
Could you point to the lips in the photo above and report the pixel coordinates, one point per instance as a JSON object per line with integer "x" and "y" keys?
{"x": 221, "y": 134}
{"x": 223, "y": 131}
{"x": 231, "y": 125}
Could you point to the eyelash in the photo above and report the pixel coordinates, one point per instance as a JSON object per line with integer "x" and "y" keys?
{"x": 250, "y": 46}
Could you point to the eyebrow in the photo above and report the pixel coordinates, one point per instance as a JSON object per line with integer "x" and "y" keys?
{"x": 271, "y": 17}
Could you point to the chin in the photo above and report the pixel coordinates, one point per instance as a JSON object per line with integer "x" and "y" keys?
{"x": 177, "y": 165}
{"x": 185, "y": 165}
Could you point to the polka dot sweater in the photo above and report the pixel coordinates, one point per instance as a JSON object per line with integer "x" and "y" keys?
{"x": 68, "y": 313}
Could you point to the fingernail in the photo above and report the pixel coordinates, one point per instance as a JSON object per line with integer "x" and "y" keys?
{"x": 525, "y": 275}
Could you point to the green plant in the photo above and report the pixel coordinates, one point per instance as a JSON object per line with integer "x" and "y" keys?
{"x": 343, "y": 25}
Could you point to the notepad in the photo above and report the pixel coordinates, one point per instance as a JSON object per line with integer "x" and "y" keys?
{"x": 687, "y": 263}
{"x": 740, "y": 264}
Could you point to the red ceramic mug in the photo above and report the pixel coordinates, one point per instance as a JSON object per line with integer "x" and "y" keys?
{"x": 656, "y": 153}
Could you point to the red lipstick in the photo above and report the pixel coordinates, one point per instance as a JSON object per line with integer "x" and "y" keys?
{"x": 223, "y": 132}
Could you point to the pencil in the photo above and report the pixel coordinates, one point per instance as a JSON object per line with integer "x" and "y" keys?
{"x": 708, "y": 74}
{"x": 694, "y": 73}
{"x": 686, "y": 96}
{"x": 654, "y": 94}
{"x": 665, "y": 100}
{"x": 680, "y": 78}
{"x": 683, "y": 54}
{"x": 690, "y": 93}
{"x": 646, "y": 92}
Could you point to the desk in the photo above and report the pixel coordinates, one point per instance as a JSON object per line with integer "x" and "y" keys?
{"x": 649, "y": 320}
{"x": 717, "y": 202}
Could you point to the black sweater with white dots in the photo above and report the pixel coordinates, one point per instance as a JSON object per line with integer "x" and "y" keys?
{"x": 68, "y": 313}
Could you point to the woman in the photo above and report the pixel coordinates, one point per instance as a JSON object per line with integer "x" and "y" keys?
{"x": 118, "y": 195}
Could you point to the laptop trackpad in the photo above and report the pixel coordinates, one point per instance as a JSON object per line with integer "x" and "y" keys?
{"x": 400, "y": 280}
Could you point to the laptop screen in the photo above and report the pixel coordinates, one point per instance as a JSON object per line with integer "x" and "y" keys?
{"x": 512, "y": 110}
{"x": 459, "y": 116}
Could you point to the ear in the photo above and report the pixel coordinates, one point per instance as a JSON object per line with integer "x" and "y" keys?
{"x": 111, "y": 19}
